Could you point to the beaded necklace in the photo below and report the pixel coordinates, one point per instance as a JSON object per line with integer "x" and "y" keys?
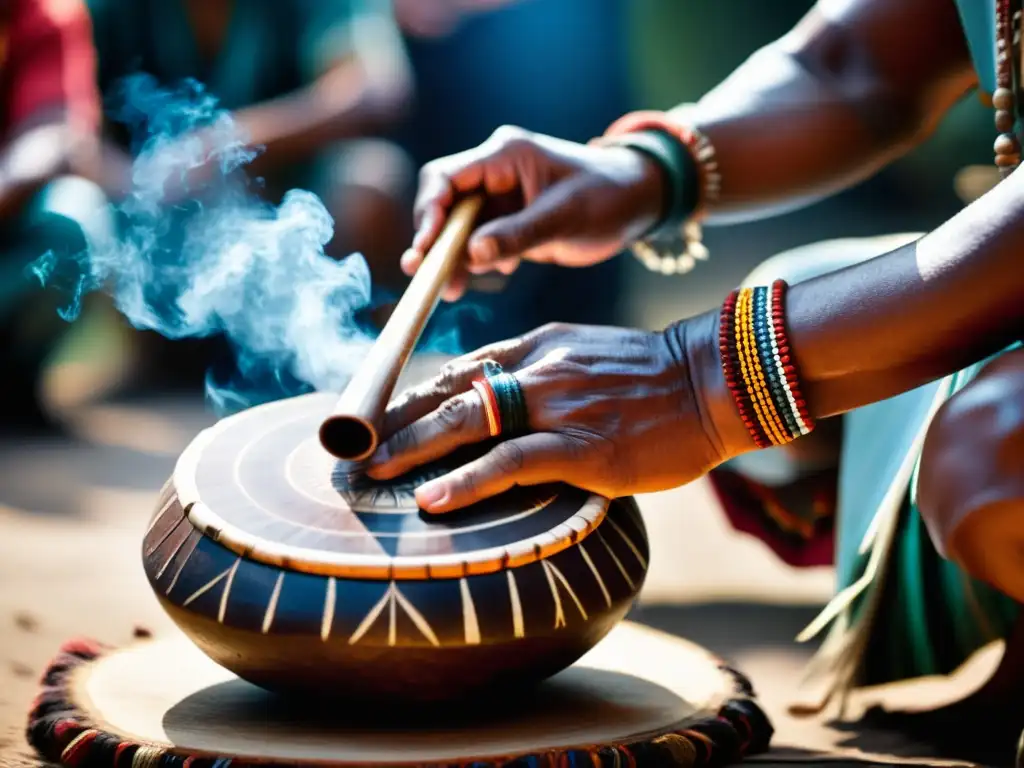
{"x": 1007, "y": 146}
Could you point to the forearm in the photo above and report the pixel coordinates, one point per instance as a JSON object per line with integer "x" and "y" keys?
{"x": 785, "y": 138}
{"x": 896, "y": 322}
{"x": 344, "y": 104}
{"x": 853, "y": 87}
{"x": 358, "y": 96}
{"x": 889, "y": 325}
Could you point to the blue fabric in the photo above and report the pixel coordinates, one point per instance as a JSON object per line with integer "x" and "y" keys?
{"x": 558, "y": 67}
{"x": 270, "y": 48}
{"x": 979, "y": 21}
{"x": 66, "y": 216}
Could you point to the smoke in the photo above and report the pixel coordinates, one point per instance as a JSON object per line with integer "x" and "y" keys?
{"x": 221, "y": 260}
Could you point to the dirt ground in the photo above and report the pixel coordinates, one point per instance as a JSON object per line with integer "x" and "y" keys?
{"x": 72, "y": 515}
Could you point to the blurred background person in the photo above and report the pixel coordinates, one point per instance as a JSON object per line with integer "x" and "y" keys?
{"x": 314, "y": 84}
{"x": 50, "y": 114}
{"x": 310, "y": 82}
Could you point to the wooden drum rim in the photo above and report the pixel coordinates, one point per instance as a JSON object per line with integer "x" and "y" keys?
{"x": 369, "y": 566}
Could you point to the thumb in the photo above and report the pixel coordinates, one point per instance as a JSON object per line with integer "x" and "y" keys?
{"x": 554, "y": 215}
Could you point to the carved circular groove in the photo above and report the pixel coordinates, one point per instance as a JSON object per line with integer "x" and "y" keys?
{"x": 261, "y": 485}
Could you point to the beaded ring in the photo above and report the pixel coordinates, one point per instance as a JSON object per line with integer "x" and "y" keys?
{"x": 513, "y": 417}
{"x": 759, "y": 368}
{"x": 490, "y": 401}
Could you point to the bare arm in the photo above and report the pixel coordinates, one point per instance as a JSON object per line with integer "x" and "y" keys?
{"x": 361, "y": 93}
{"x": 855, "y": 85}
{"x": 896, "y": 322}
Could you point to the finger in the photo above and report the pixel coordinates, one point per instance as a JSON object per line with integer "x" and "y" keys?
{"x": 459, "y": 421}
{"x": 456, "y": 287}
{"x": 433, "y": 198}
{"x": 553, "y": 215}
{"x": 431, "y": 222}
{"x": 453, "y": 290}
{"x": 507, "y": 266}
{"x": 411, "y": 261}
{"x": 504, "y": 266}
{"x": 507, "y": 354}
{"x": 416, "y": 402}
{"x": 543, "y": 457}
{"x": 489, "y": 166}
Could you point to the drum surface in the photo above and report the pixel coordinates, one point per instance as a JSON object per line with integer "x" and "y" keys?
{"x": 634, "y": 691}
{"x": 261, "y": 484}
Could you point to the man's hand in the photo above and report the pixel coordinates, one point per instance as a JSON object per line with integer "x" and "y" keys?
{"x": 610, "y": 410}
{"x": 550, "y": 201}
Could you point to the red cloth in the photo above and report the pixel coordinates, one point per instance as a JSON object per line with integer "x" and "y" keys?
{"x": 47, "y": 61}
{"x": 795, "y": 522}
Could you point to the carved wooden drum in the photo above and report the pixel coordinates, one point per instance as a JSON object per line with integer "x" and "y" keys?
{"x": 296, "y": 573}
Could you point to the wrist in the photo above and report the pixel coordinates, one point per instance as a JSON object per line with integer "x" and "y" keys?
{"x": 671, "y": 173}
{"x": 697, "y": 341}
{"x": 650, "y": 193}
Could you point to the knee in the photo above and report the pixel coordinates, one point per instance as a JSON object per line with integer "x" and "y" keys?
{"x": 971, "y": 485}
{"x": 70, "y": 214}
{"x": 810, "y": 261}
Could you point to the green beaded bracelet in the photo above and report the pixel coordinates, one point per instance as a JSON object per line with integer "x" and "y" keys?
{"x": 682, "y": 177}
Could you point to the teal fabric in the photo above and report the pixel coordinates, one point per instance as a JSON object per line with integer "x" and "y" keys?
{"x": 270, "y": 49}
{"x": 66, "y": 216}
{"x": 979, "y": 21}
{"x": 933, "y": 616}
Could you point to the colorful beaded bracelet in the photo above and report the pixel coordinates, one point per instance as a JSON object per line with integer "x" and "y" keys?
{"x": 759, "y": 368}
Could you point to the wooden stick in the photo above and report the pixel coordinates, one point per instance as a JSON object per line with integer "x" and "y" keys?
{"x": 351, "y": 432}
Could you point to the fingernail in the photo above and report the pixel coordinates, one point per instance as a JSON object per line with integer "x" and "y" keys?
{"x": 408, "y": 259}
{"x": 430, "y": 495}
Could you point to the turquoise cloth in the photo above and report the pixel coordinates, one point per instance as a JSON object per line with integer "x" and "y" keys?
{"x": 932, "y": 615}
{"x": 67, "y": 215}
{"x": 270, "y": 49}
{"x": 979, "y": 21}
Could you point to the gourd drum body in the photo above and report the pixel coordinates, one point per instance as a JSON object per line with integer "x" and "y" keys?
{"x": 299, "y": 575}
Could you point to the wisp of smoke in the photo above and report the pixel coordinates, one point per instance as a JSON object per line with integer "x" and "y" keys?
{"x": 226, "y": 262}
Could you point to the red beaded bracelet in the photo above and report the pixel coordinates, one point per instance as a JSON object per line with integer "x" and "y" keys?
{"x": 759, "y": 368}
